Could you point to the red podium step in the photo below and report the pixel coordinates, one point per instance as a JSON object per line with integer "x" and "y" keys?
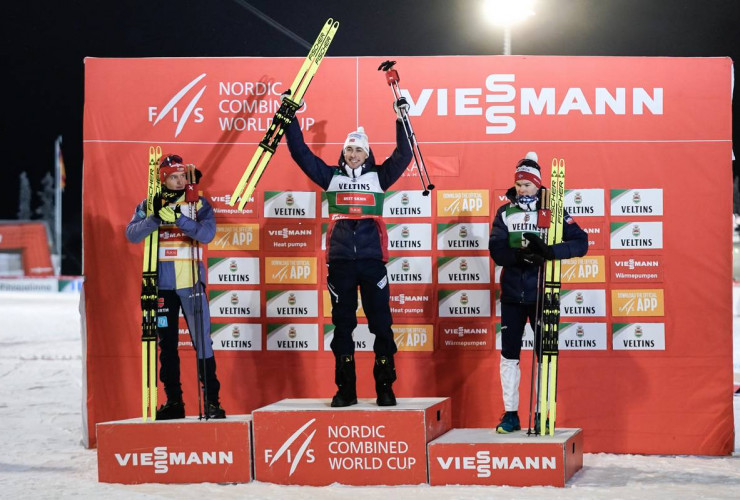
{"x": 175, "y": 451}
{"x": 480, "y": 456}
{"x": 305, "y": 441}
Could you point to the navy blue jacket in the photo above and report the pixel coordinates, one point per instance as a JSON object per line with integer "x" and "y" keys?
{"x": 519, "y": 281}
{"x": 351, "y": 239}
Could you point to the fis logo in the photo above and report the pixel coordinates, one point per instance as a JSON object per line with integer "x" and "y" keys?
{"x": 294, "y": 457}
{"x": 180, "y": 115}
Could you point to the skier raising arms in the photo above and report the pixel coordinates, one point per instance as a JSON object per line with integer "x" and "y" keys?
{"x": 516, "y": 245}
{"x": 357, "y": 251}
{"x": 178, "y": 288}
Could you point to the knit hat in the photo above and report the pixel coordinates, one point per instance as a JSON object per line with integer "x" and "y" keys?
{"x": 358, "y": 138}
{"x": 169, "y": 165}
{"x": 528, "y": 170}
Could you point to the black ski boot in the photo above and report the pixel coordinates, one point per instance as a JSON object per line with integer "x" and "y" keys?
{"x": 214, "y": 410}
{"x": 346, "y": 380}
{"x": 384, "y": 372}
{"x": 211, "y": 388}
{"x": 171, "y": 410}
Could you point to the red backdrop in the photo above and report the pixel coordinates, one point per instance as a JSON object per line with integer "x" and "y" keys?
{"x": 636, "y": 124}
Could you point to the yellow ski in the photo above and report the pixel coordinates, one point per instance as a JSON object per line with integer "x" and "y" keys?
{"x": 149, "y": 294}
{"x": 283, "y": 116}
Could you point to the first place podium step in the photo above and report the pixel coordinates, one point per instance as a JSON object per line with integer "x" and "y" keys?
{"x": 307, "y": 442}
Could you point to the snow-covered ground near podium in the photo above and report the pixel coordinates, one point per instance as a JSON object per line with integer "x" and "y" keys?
{"x": 41, "y": 452}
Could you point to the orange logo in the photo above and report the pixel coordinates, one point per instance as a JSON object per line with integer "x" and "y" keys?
{"x": 583, "y": 270}
{"x": 473, "y": 202}
{"x": 236, "y": 237}
{"x": 637, "y": 302}
{"x": 290, "y": 270}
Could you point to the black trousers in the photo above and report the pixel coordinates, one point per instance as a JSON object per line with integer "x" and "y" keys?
{"x": 514, "y": 317}
{"x": 372, "y": 278}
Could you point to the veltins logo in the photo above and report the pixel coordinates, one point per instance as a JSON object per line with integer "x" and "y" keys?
{"x": 291, "y": 457}
{"x": 180, "y": 115}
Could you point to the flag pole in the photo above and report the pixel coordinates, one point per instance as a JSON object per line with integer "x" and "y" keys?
{"x": 58, "y": 205}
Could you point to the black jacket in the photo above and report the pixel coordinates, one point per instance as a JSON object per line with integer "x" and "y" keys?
{"x": 519, "y": 281}
{"x": 350, "y": 239}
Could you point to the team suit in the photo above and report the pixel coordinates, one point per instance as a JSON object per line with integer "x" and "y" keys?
{"x": 356, "y": 251}
{"x": 179, "y": 289}
{"x": 519, "y": 282}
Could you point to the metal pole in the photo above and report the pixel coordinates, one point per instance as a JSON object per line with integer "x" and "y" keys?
{"x": 58, "y": 206}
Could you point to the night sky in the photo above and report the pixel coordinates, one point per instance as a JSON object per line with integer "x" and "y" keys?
{"x": 45, "y": 43}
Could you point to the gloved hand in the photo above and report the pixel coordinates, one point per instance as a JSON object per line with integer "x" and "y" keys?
{"x": 539, "y": 247}
{"x": 401, "y": 107}
{"x": 524, "y": 257}
{"x": 168, "y": 215}
{"x": 286, "y": 94}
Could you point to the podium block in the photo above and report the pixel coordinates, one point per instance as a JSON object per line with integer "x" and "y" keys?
{"x": 175, "y": 451}
{"x": 305, "y": 441}
{"x": 482, "y": 457}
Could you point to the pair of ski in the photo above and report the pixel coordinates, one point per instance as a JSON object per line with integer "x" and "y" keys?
{"x": 548, "y": 312}
{"x": 284, "y": 116}
{"x": 150, "y": 289}
{"x": 150, "y": 294}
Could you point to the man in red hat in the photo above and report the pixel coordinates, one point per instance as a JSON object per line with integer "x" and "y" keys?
{"x": 181, "y": 224}
{"x": 516, "y": 245}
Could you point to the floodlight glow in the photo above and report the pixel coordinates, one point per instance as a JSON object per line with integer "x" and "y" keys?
{"x": 507, "y": 12}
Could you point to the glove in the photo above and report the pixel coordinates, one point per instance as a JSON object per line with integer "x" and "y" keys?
{"x": 168, "y": 215}
{"x": 539, "y": 247}
{"x": 286, "y": 95}
{"x": 401, "y": 107}
{"x": 526, "y": 258}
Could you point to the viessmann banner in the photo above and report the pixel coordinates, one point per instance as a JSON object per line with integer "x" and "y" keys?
{"x": 644, "y": 140}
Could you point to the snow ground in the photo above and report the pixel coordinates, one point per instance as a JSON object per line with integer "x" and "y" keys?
{"x": 41, "y": 452}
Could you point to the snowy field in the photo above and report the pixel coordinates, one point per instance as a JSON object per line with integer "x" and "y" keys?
{"x": 41, "y": 452}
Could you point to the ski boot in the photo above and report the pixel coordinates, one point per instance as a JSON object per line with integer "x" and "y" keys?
{"x": 171, "y": 410}
{"x": 346, "y": 380}
{"x": 384, "y": 372}
{"x": 509, "y": 423}
{"x": 214, "y": 410}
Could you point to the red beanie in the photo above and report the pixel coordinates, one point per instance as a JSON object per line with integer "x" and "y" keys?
{"x": 169, "y": 165}
{"x": 528, "y": 170}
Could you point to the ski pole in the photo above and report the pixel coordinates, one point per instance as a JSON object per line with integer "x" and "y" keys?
{"x": 191, "y": 196}
{"x": 392, "y": 78}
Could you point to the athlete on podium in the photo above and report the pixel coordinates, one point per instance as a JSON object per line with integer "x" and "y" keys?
{"x": 515, "y": 244}
{"x": 357, "y": 250}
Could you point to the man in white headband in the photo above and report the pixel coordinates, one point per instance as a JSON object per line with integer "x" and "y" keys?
{"x": 356, "y": 250}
